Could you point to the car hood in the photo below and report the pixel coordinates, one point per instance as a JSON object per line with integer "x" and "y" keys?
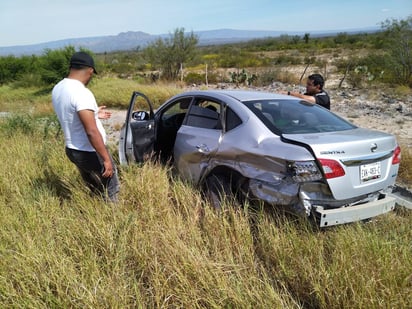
{"x": 352, "y": 149}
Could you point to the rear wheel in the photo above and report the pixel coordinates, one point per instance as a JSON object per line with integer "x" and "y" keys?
{"x": 218, "y": 190}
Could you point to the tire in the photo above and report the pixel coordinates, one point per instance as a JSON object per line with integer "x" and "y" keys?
{"x": 217, "y": 191}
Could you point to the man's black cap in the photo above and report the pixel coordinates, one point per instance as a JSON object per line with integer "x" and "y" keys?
{"x": 81, "y": 59}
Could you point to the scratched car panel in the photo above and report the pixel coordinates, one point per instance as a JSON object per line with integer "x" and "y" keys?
{"x": 269, "y": 147}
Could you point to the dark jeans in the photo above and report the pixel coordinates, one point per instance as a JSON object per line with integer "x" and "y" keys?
{"x": 91, "y": 167}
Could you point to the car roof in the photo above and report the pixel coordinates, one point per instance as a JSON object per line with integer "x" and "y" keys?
{"x": 240, "y": 95}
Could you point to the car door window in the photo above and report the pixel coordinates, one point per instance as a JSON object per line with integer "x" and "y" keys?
{"x": 204, "y": 114}
{"x": 232, "y": 120}
{"x": 175, "y": 113}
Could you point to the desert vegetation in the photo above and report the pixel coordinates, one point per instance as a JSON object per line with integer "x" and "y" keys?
{"x": 162, "y": 246}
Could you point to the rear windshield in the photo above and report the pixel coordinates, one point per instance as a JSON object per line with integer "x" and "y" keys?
{"x": 296, "y": 117}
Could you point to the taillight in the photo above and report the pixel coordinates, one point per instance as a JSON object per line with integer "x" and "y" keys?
{"x": 331, "y": 168}
{"x": 396, "y": 159}
{"x": 303, "y": 171}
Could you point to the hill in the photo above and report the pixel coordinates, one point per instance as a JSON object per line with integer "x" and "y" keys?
{"x": 134, "y": 39}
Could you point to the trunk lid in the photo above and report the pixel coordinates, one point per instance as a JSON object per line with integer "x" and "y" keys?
{"x": 365, "y": 156}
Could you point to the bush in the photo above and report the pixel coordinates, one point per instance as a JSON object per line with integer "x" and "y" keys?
{"x": 195, "y": 78}
{"x": 13, "y": 68}
{"x": 28, "y": 80}
{"x": 55, "y": 64}
{"x": 18, "y": 123}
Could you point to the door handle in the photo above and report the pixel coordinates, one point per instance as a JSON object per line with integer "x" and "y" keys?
{"x": 202, "y": 148}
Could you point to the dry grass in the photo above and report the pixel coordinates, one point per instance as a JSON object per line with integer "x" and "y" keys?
{"x": 405, "y": 169}
{"x": 25, "y": 100}
{"x": 116, "y": 93}
{"x": 163, "y": 247}
{"x": 113, "y": 93}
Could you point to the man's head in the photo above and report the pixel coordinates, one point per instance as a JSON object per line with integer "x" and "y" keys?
{"x": 314, "y": 84}
{"x": 82, "y": 67}
{"x": 80, "y": 60}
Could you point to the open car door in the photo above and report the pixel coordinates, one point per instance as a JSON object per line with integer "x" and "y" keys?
{"x": 137, "y": 135}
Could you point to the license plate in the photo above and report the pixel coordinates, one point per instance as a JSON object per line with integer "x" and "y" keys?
{"x": 370, "y": 171}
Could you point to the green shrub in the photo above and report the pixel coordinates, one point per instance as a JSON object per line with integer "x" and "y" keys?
{"x": 195, "y": 78}
{"x": 18, "y": 123}
{"x": 29, "y": 80}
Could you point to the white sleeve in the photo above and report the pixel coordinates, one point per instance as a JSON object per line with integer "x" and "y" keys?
{"x": 85, "y": 100}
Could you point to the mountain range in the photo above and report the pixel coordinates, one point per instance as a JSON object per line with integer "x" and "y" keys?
{"x": 136, "y": 39}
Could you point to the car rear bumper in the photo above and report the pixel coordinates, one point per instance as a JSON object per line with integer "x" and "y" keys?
{"x": 330, "y": 217}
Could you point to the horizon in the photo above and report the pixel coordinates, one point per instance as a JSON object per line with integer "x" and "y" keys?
{"x": 201, "y": 31}
{"x": 43, "y": 21}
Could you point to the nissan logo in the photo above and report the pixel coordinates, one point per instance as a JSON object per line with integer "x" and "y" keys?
{"x": 374, "y": 147}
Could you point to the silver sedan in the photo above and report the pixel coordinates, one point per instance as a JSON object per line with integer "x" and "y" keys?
{"x": 268, "y": 147}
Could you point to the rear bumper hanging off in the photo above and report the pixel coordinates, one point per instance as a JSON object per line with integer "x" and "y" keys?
{"x": 330, "y": 217}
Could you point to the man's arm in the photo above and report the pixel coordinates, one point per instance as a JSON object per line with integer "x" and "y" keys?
{"x": 308, "y": 98}
{"x": 89, "y": 123}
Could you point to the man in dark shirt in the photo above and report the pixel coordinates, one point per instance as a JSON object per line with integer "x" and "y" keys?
{"x": 314, "y": 91}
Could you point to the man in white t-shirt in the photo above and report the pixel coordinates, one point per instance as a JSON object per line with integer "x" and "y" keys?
{"x": 85, "y": 137}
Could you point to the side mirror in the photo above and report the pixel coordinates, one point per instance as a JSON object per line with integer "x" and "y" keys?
{"x": 140, "y": 115}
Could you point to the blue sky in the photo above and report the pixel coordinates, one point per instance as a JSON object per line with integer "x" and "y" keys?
{"x": 24, "y": 22}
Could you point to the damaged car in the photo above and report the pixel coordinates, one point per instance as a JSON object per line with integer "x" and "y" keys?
{"x": 269, "y": 147}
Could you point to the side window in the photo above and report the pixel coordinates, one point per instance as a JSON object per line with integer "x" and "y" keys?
{"x": 178, "y": 107}
{"x": 204, "y": 113}
{"x": 232, "y": 120}
{"x": 174, "y": 115}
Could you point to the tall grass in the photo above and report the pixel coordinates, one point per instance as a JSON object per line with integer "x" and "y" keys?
{"x": 25, "y": 100}
{"x": 405, "y": 168}
{"x": 114, "y": 92}
{"x": 111, "y": 92}
{"x": 161, "y": 246}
